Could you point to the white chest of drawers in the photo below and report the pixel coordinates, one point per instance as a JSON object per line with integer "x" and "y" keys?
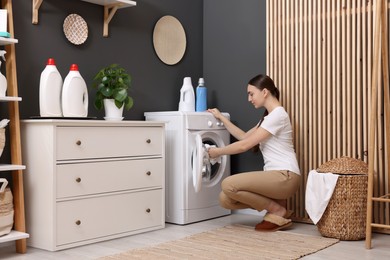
{"x": 92, "y": 180}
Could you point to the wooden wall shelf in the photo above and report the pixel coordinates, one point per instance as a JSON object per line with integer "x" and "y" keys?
{"x": 110, "y": 8}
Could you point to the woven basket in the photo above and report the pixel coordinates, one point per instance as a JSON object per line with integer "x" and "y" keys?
{"x": 345, "y": 215}
{"x": 6, "y": 208}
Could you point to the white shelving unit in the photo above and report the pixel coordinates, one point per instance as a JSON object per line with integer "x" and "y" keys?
{"x": 14, "y": 235}
{"x": 110, "y": 8}
{"x": 18, "y": 234}
{"x": 8, "y": 99}
{"x": 5, "y": 41}
{"x": 11, "y": 167}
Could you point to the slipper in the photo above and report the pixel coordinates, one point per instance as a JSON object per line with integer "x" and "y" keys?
{"x": 272, "y": 223}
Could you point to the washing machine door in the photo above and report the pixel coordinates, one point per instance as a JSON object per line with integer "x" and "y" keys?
{"x": 201, "y": 163}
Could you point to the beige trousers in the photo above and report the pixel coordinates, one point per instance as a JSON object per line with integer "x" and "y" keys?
{"x": 257, "y": 189}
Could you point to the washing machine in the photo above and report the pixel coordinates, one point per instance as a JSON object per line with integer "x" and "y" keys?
{"x": 193, "y": 182}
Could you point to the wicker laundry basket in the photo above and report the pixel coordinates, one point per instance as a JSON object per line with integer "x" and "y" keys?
{"x": 345, "y": 215}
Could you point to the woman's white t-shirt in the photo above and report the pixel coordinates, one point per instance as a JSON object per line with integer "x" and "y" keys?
{"x": 278, "y": 150}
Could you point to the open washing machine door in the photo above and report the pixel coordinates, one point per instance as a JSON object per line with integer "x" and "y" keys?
{"x": 201, "y": 164}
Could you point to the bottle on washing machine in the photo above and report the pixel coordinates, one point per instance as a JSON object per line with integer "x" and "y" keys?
{"x": 201, "y": 96}
{"x": 187, "y": 96}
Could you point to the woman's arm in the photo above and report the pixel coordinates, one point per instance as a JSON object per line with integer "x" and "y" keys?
{"x": 235, "y": 131}
{"x": 257, "y": 135}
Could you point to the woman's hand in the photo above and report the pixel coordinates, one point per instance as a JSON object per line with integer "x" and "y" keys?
{"x": 213, "y": 152}
{"x": 216, "y": 113}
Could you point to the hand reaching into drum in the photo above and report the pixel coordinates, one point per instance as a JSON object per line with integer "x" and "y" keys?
{"x": 213, "y": 152}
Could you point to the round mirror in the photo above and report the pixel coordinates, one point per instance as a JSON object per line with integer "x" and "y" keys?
{"x": 169, "y": 40}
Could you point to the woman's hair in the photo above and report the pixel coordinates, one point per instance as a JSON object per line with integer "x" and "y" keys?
{"x": 261, "y": 82}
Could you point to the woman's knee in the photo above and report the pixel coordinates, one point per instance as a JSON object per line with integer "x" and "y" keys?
{"x": 224, "y": 200}
{"x": 228, "y": 186}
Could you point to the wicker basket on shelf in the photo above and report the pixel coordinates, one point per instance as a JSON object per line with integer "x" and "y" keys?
{"x": 345, "y": 215}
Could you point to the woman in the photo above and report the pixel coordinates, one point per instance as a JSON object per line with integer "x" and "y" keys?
{"x": 280, "y": 179}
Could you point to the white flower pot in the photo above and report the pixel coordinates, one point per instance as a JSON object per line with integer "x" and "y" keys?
{"x": 113, "y": 113}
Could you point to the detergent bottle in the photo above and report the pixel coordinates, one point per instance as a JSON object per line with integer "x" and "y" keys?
{"x": 74, "y": 94}
{"x": 50, "y": 87}
{"x": 3, "y": 80}
{"x": 187, "y": 96}
{"x": 201, "y": 96}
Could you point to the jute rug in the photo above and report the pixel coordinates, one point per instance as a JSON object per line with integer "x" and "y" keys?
{"x": 232, "y": 242}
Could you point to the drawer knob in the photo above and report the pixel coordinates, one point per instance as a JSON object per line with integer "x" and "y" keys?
{"x": 78, "y": 222}
{"x": 78, "y": 179}
{"x": 148, "y": 141}
{"x": 78, "y": 142}
{"x": 148, "y": 210}
{"x": 148, "y": 173}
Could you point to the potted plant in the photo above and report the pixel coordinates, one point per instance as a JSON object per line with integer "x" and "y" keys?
{"x": 112, "y": 84}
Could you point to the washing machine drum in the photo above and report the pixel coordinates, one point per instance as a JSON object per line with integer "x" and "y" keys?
{"x": 202, "y": 170}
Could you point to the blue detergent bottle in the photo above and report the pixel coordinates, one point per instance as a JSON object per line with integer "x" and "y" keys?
{"x": 201, "y": 97}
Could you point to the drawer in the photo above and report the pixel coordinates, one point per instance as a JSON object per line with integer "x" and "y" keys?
{"x": 108, "y": 142}
{"x": 101, "y": 177}
{"x": 92, "y": 218}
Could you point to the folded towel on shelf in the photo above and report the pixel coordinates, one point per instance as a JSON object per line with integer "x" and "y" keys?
{"x": 319, "y": 190}
{"x": 212, "y": 160}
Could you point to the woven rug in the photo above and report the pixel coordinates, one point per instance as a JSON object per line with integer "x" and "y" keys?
{"x": 232, "y": 242}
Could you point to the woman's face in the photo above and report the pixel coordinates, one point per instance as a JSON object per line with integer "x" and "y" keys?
{"x": 256, "y": 96}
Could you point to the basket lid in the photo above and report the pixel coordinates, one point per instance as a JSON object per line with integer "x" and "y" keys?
{"x": 344, "y": 165}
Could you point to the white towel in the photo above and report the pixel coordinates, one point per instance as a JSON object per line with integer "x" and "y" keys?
{"x": 212, "y": 160}
{"x": 319, "y": 190}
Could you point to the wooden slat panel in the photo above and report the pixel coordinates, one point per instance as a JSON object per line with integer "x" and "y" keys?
{"x": 321, "y": 56}
{"x": 343, "y": 75}
{"x": 328, "y": 83}
{"x": 334, "y": 79}
{"x": 351, "y": 85}
{"x": 339, "y": 78}
{"x": 386, "y": 94}
{"x": 359, "y": 80}
{"x": 287, "y": 101}
{"x": 279, "y": 46}
{"x": 283, "y": 52}
{"x": 354, "y": 42}
{"x": 268, "y": 35}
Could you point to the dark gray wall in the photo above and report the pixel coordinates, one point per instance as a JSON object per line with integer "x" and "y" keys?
{"x": 225, "y": 45}
{"x": 234, "y": 50}
{"x": 155, "y": 85}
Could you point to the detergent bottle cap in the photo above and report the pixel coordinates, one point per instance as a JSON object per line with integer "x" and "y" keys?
{"x": 201, "y": 81}
{"x": 187, "y": 81}
{"x": 51, "y": 61}
{"x": 74, "y": 67}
